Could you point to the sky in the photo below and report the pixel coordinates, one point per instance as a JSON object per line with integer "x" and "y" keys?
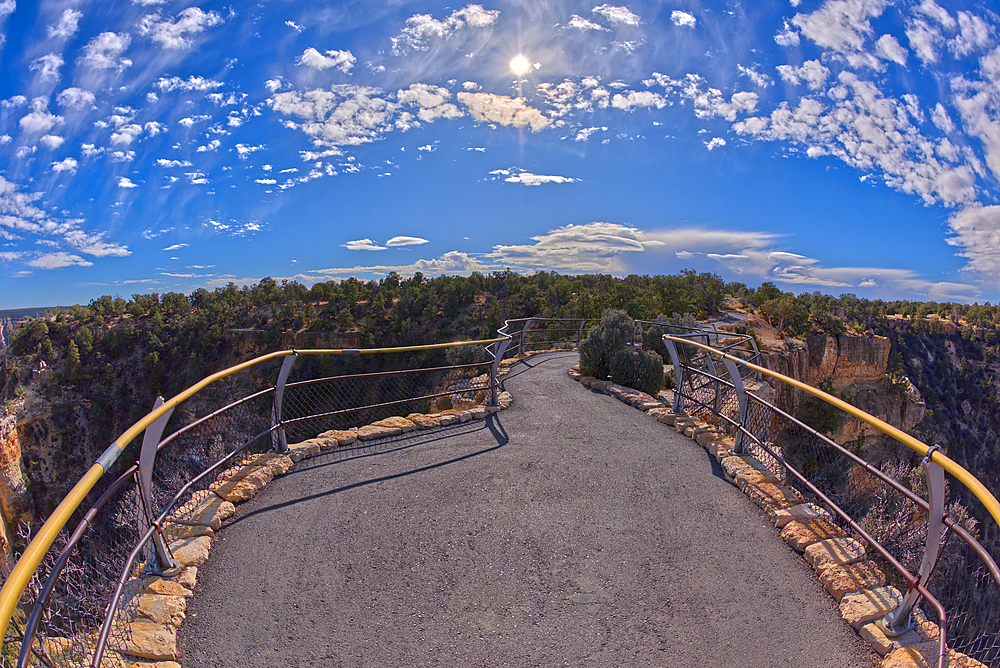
{"x": 845, "y": 146}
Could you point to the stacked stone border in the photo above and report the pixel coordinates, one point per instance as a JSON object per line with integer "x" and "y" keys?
{"x": 161, "y": 603}
{"x": 839, "y": 561}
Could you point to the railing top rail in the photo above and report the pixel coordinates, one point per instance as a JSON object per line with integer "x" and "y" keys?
{"x": 21, "y": 574}
{"x": 970, "y": 481}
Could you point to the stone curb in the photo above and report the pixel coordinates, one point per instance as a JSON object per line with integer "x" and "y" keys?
{"x": 837, "y": 559}
{"x": 161, "y": 602}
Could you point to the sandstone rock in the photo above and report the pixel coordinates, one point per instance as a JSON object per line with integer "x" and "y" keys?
{"x": 703, "y": 438}
{"x": 305, "y": 449}
{"x": 658, "y": 412}
{"x": 766, "y": 496}
{"x": 424, "y": 421}
{"x": 868, "y": 605}
{"x": 150, "y": 641}
{"x": 173, "y": 531}
{"x": 719, "y": 449}
{"x": 599, "y": 385}
{"x": 924, "y": 655}
{"x": 491, "y": 409}
{"x": 586, "y": 380}
{"x": 749, "y": 477}
{"x": 342, "y": 436}
{"x": 803, "y": 511}
{"x": 671, "y": 418}
{"x": 650, "y": 406}
{"x": 464, "y": 416}
{"x": 156, "y": 664}
{"x": 400, "y": 423}
{"x": 371, "y": 432}
{"x": 211, "y": 512}
{"x": 842, "y": 580}
{"x": 505, "y": 399}
{"x": 883, "y": 644}
{"x": 834, "y": 552}
{"x": 188, "y": 577}
{"x": 477, "y": 412}
{"x": 446, "y": 419}
{"x": 245, "y": 485}
{"x": 191, "y": 551}
{"x": 800, "y": 534}
{"x": 277, "y": 462}
{"x": 163, "y": 609}
{"x": 165, "y": 587}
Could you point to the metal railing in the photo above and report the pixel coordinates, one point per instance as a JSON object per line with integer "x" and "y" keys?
{"x": 73, "y": 595}
{"x": 913, "y": 530}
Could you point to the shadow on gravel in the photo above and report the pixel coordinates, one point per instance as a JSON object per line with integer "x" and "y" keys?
{"x": 372, "y": 448}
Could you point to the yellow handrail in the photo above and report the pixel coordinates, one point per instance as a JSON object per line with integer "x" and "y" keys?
{"x": 970, "y": 481}
{"x": 19, "y": 577}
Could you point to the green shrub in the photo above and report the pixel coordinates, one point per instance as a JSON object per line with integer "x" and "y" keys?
{"x": 639, "y": 369}
{"x": 603, "y": 340}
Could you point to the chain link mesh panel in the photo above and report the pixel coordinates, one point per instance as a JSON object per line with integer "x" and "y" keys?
{"x": 961, "y": 581}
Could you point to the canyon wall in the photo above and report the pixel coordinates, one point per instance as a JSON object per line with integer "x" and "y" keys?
{"x": 852, "y": 368}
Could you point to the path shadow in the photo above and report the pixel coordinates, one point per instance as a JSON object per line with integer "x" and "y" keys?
{"x": 491, "y": 424}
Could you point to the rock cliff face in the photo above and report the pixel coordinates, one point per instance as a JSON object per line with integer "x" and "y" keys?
{"x": 852, "y": 368}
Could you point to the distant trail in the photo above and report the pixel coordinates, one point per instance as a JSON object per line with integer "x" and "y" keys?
{"x": 568, "y": 530}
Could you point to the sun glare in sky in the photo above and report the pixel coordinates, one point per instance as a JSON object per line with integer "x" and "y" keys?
{"x": 520, "y": 65}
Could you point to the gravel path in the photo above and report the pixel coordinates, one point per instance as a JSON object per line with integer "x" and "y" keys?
{"x": 568, "y": 530}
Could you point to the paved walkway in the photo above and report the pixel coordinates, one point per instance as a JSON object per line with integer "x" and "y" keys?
{"x": 568, "y": 530}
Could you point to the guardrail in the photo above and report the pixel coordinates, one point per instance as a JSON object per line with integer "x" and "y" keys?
{"x": 64, "y": 605}
{"x": 926, "y": 546}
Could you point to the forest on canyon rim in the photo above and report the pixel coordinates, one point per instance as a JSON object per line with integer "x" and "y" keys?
{"x": 106, "y": 362}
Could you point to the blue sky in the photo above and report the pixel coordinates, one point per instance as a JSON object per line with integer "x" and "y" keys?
{"x": 159, "y": 145}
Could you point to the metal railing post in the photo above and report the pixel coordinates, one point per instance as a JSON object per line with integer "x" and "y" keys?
{"x": 741, "y": 397}
{"x": 524, "y": 330}
{"x": 167, "y": 565}
{"x": 501, "y": 350}
{"x": 579, "y": 333}
{"x": 278, "y": 439}
{"x": 901, "y": 620}
{"x": 678, "y": 406}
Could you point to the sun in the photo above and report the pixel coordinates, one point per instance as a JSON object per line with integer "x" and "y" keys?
{"x": 520, "y": 65}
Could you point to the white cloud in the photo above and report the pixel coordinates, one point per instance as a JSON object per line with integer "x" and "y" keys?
{"x": 843, "y": 26}
{"x": 344, "y": 115}
{"x": 294, "y": 26}
{"x": 679, "y": 18}
{"x": 177, "y": 34}
{"x": 211, "y": 146}
{"x": 976, "y": 231}
{"x": 125, "y": 182}
{"x": 51, "y": 142}
{"x": 175, "y": 247}
{"x": 888, "y": 48}
{"x": 974, "y": 33}
{"x": 716, "y": 142}
{"x": 67, "y": 26}
{"x": 40, "y": 120}
{"x": 192, "y": 83}
{"x": 59, "y": 261}
{"x": 932, "y": 10}
{"x": 451, "y": 263}
{"x": 65, "y": 165}
{"x": 503, "y": 110}
{"x": 634, "y": 99}
{"x": 787, "y": 36}
{"x": 619, "y": 16}
{"x": 104, "y": 52}
{"x": 924, "y": 39}
{"x": 363, "y": 244}
{"x": 526, "y": 178}
{"x": 759, "y": 79}
{"x": 244, "y": 150}
{"x": 405, "y": 241}
{"x": 813, "y": 73}
{"x": 422, "y": 29}
{"x": 75, "y": 98}
{"x": 47, "y": 66}
{"x": 126, "y": 134}
{"x": 581, "y": 23}
{"x": 942, "y": 120}
{"x": 163, "y": 162}
{"x": 265, "y": 182}
{"x": 341, "y": 60}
